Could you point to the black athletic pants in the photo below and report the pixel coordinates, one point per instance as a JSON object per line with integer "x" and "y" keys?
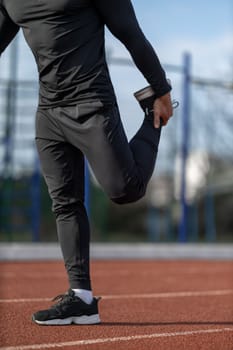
{"x": 123, "y": 169}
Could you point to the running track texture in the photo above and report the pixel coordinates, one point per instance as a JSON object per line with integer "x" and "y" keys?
{"x": 145, "y": 305}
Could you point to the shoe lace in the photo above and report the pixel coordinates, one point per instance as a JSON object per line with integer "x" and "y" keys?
{"x": 61, "y": 299}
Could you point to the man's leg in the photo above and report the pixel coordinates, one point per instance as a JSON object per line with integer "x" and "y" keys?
{"x": 63, "y": 169}
{"x": 123, "y": 169}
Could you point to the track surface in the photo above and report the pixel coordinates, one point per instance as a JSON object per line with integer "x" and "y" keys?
{"x": 145, "y": 305}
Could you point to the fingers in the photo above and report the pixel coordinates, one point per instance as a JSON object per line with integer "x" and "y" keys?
{"x": 161, "y": 113}
{"x": 156, "y": 117}
{"x": 162, "y": 110}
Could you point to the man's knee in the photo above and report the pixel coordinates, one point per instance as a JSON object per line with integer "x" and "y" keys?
{"x": 131, "y": 194}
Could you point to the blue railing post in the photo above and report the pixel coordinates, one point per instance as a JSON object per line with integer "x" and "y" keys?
{"x": 210, "y": 228}
{"x": 185, "y": 145}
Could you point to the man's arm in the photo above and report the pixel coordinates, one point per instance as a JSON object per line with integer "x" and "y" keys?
{"x": 8, "y": 29}
{"x": 119, "y": 16}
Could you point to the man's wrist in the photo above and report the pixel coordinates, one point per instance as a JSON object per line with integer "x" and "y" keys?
{"x": 161, "y": 88}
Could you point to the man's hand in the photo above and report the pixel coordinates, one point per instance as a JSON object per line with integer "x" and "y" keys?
{"x": 162, "y": 109}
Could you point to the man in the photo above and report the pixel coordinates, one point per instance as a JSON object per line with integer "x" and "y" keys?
{"x": 78, "y": 115}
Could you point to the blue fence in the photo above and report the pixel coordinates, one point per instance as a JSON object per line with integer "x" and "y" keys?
{"x": 19, "y": 168}
{"x": 197, "y": 140}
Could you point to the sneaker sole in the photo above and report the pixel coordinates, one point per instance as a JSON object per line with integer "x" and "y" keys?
{"x": 81, "y": 320}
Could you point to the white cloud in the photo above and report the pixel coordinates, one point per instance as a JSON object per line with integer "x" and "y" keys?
{"x": 210, "y": 57}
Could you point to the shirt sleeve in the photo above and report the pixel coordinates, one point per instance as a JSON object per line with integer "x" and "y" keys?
{"x": 120, "y": 18}
{"x": 8, "y": 29}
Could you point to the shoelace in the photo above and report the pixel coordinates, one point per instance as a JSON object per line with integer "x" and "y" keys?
{"x": 61, "y": 298}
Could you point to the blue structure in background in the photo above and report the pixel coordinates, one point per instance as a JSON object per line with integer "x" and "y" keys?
{"x": 185, "y": 146}
{"x": 20, "y": 188}
{"x": 33, "y": 187}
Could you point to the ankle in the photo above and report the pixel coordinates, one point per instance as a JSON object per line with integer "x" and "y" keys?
{"x": 84, "y": 294}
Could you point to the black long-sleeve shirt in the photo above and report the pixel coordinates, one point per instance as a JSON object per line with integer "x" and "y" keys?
{"x": 67, "y": 40}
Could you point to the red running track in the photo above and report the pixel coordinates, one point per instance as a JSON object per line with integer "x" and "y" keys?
{"x": 145, "y": 305}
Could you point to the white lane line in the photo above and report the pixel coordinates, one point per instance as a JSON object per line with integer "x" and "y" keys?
{"x": 25, "y": 300}
{"x": 39, "y": 275}
{"x": 31, "y": 275}
{"x": 172, "y": 294}
{"x": 115, "y": 339}
{"x": 137, "y": 296}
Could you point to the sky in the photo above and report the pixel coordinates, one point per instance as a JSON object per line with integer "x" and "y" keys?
{"x": 204, "y": 28}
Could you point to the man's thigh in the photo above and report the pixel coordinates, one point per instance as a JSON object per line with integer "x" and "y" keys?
{"x": 103, "y": 141}
{"x": 63, "y": 169}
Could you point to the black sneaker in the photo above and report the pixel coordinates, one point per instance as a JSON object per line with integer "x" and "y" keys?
{"x": 69, "y": 309}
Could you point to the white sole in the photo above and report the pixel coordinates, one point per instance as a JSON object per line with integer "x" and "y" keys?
{"x": 81, "y": 320}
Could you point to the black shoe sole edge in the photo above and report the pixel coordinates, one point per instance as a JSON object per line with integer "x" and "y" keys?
{"x": 79, "y": 320}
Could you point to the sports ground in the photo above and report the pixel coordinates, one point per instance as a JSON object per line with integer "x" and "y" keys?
{"x": 146, "y": 304}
